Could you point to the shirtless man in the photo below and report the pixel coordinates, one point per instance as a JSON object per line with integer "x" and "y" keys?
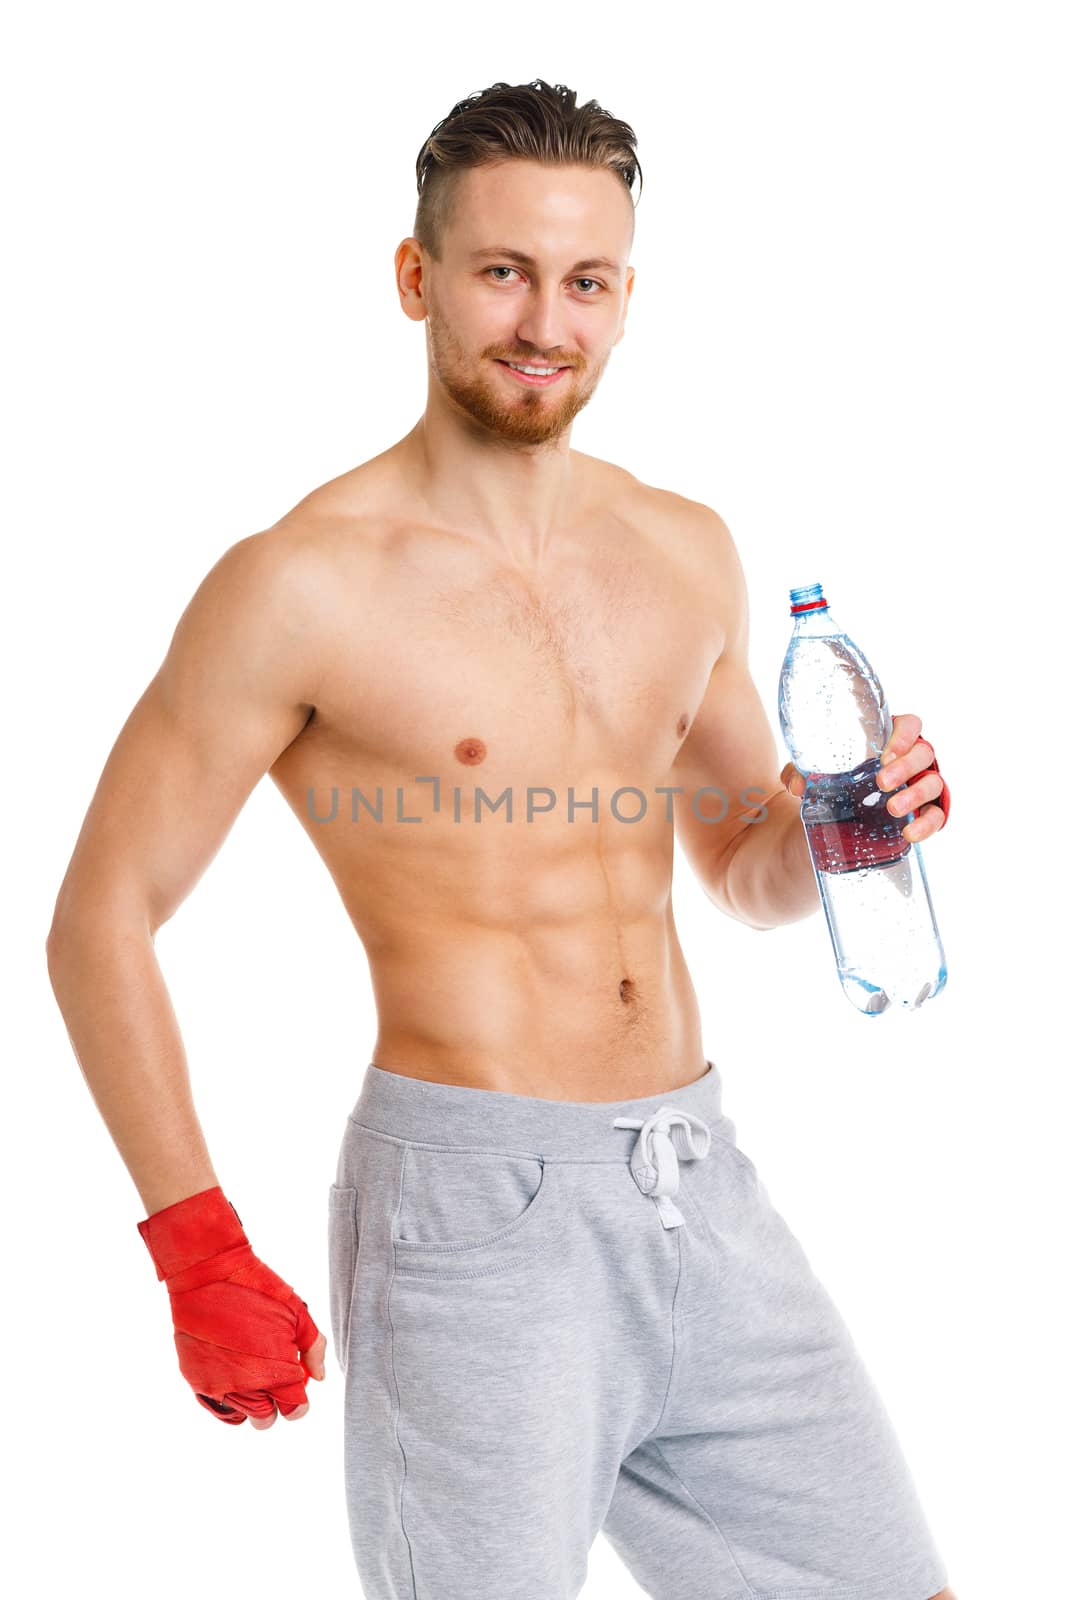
{"x": 561, "y": 1297}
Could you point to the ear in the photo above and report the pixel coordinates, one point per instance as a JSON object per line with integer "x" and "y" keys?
{"x": 410, "y": 281}
{"x": 626, "y": 304}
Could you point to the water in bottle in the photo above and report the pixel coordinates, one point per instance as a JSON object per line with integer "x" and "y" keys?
{"x": 871, "y": 878}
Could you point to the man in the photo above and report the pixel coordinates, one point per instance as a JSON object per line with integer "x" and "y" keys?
{"x": 561, "y": 1297}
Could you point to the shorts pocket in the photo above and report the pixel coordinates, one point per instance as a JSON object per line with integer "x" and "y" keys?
{"x": 466, "y": 1213}
{"x": 342, "y": 1248}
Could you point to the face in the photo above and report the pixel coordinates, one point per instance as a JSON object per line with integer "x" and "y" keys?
{"x": 517, "y": 282}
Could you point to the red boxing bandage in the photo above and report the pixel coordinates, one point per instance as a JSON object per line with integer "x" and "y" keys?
{"x": 239, "y": 1330}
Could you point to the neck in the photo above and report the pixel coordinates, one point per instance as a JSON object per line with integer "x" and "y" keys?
{"x": 500, "y": 492}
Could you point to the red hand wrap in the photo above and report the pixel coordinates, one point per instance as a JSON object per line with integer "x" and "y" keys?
{"x": 239, "y": 1330}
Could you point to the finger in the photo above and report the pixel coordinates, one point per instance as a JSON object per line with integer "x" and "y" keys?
{"x": 906, "y": 729}
{"x": 291, "y": 1416}
{"x": 915, "y": 795}
{"x": 312, "y": 1349}
{"x": 929, "y": 821}
{"x": 256, "y": 1404}
{"x": 917, "y": 760}
{"x": 218, "y": 1409}
{"x": 290, "y": 1397}
{"x": 259, "y": 1423}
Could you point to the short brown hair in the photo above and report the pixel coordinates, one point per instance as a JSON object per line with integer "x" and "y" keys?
{"x": 526, "y": 121}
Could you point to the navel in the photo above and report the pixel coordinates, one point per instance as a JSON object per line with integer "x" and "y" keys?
{"x": 683, "y": 723}
{"x": 470, "y": 751}
{"x": 626, "y": 990}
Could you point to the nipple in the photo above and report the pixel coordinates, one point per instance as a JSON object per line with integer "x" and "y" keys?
{"x": 470, "y": 751}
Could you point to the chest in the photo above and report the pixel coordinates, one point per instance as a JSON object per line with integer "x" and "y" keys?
{"x": 458, "y": 664}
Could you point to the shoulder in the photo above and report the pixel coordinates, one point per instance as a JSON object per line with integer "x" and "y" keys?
{"x": 695, "y": 538}
{"x": 704, "y": 544}
{"x": 693, "y": 521}
{"x": 334, "y": 535}
{"x": 280, "y": 603}
{"x": 695, "y": 533}
{"x": 698, "y": 528}
{"x": 273, "y": 575}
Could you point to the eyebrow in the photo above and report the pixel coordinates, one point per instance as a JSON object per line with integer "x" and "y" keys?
{"x": 597, "y": 263}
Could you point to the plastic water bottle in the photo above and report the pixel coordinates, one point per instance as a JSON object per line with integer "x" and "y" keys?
{"x": 871, "y": 878}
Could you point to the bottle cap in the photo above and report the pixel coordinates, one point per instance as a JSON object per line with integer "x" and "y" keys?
{"x": 808, "y": 598}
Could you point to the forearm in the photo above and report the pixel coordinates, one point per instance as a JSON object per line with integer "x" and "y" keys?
{"x": 770, "y": 879}
{"x": 124, "y": 1033}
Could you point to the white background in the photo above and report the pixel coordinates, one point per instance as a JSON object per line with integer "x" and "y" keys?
{"x": 846, "y": 335}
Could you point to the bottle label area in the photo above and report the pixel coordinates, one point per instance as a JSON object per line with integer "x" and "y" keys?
{"x": 846, "y": 821}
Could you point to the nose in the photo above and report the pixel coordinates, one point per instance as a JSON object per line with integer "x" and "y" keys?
{"x": 542, "y": 327}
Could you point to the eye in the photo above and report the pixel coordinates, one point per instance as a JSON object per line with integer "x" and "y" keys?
{"x": 584, "y": 296}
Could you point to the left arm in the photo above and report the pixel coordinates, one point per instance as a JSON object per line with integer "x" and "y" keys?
{"x": 750, "y": 851}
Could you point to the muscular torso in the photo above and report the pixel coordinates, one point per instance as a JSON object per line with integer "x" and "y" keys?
{"x": 534, "y": 954}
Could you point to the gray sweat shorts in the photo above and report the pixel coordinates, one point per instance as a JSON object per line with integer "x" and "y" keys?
{"x": 559, "y": 1318}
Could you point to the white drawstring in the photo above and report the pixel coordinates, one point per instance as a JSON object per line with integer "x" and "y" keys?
{"x": 654, "y": 1159}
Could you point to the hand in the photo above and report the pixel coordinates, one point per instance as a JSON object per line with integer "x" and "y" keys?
{"x": 245, "y": 1341}
{"x": 906, "y": 756}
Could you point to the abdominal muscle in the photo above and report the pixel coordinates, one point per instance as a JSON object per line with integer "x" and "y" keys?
{"x": 489, "y": 1015}
{"x": 532, "y": 1014}
{"x": 546, "y": 967}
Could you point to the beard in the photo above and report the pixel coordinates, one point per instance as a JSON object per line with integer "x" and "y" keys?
{"x": 525, "y": 415}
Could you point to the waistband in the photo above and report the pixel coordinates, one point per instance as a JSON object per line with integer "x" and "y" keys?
{"x": 443, "y": 1113}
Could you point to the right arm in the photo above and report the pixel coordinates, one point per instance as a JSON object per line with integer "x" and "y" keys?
{"x": 235, "y": 688}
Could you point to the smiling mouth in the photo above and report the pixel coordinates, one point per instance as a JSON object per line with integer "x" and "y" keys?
{"x": 536, "y": 380}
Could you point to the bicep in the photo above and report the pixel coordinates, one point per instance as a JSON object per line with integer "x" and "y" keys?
{"x": 230, "y": 695}
{"x": 728, "y": 764}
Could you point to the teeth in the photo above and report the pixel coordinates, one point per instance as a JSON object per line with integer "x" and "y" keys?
{"x": 536, "y": 372}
